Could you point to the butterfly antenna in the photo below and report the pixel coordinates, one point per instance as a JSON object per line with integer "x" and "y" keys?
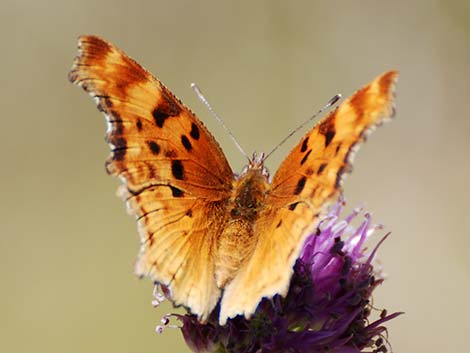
{"x": 218, "y": 118}
{"x": 330, "y": 103}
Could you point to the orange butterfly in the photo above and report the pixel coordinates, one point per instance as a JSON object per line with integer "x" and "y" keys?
{"x": 205, "y": 234}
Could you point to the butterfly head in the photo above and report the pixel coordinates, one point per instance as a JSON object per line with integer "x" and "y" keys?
{"x": 256, "y": 163}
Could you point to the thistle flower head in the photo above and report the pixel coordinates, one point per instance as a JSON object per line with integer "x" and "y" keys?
{"x": 327, "y": 308}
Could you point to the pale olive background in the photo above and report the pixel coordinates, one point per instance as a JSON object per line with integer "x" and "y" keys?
{"x": 67, "y": 246}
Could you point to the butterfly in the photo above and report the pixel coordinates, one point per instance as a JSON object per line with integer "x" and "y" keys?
{"x": 210, "y": 237}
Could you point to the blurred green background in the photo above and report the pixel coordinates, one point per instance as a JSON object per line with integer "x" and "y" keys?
{"x": 67, "y": 246}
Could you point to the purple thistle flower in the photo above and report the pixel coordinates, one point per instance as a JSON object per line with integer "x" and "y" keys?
{"x": 327, "y": 307}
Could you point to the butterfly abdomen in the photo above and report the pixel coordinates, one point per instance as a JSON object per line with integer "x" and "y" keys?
{"x": 237, "y": 240}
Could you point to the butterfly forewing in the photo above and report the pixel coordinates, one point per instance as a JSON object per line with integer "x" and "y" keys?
{"x": 314, "y": 169}
{"x": 154, "y": 138}
{"x": 305, "y": 183}
{"x": 176, "y": 178}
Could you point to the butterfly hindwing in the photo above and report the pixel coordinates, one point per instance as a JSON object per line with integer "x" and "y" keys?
{"x": 178, "y": 237}
{"x": 175, "y": 175}
{"x": 305, "y": 183}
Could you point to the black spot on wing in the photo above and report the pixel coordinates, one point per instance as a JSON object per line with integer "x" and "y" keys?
{"x": 304, "y": 145}
{"x": 327, "y": 127}
{"x": 186, "y": 143}
{"x": 321, "y": 168}
{"x": 292, "y": 206}
{"x": 329, "y": 136}
{"x": 337, "y": 148}
{"x": 159, "y": 116}
{"x": 138, "y": 125}
{"x": 176, "y": 192}
{"x": 304, "y": 159}
{"x": 177, "y": 169}
{"x": 154, "y": 147}
{"x": 166, "y": 108}
{"x": 300, "y": 185}
{"x": 194, "y": 131}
